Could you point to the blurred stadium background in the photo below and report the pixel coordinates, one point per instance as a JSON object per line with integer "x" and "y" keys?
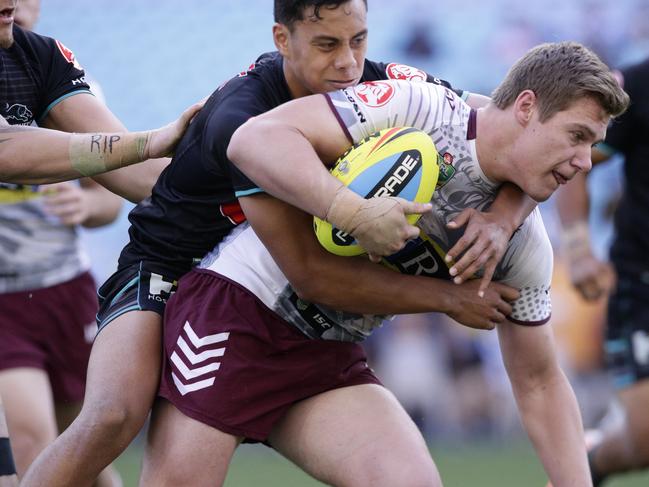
{"x": 155, "y": 57}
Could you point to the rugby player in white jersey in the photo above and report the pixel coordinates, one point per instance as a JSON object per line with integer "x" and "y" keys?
{"x": 242, "y": 357}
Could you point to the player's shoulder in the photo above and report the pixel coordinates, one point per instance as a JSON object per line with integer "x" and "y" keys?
{"x": 43, "y": 49}
{"x": 33, "y": 44}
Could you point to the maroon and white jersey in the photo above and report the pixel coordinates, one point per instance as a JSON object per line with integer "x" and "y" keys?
{"x": 363, "y": 110}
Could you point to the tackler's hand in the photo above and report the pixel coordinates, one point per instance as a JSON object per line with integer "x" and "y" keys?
{"x": 483, "y": 245}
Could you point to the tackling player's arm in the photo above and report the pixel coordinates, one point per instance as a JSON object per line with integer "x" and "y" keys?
{"x": 71, "y": 156}
{"x": 356, "y": 285}
{"x": 85, "y": 113}
{"x": 546, "y": 402}
{"x": 305, "y": 133}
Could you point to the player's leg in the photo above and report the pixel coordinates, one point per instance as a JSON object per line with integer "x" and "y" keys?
{"x": 8, "y": 476}
{"x": 30, "y": 412}
{"x": 356, "y": 436}
{"x": 183, "y": 451}
{"x": 123, "y": 376}
{"x": 624, "y": 445}
{"x": 66, "y": 412}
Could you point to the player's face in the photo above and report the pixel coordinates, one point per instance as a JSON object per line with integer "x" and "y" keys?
{"x": 326, "y": 54}
{"x": 7, "y": 11}
{"x": 551, "y": 153}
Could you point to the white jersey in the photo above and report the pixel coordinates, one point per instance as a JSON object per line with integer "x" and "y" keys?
{"x": 363, "y": 110}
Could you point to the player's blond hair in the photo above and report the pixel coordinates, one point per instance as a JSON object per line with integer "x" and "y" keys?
{"x": 558, "y": 74}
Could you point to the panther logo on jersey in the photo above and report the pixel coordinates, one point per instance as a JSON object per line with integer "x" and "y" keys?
{"x": 405, "y": 72}
{"x": 374, "y": 93}
{"x": 18, "y": 114}
{"x": 68, "y": 55}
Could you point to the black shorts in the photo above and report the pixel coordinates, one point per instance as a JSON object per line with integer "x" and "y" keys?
{"x": 142, "y": 286}
{"x": 627, "y": 336}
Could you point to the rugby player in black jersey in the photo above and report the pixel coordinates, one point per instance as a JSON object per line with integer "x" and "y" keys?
{"x": 621, "y": 443}
{"x": 42, "y": 367}
{"x": 193, "y": 206}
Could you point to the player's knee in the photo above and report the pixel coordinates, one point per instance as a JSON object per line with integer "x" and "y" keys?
{"x": 404, "y": 472}
{"x": 110, "y": 419}
{"x": 422, "y": 475}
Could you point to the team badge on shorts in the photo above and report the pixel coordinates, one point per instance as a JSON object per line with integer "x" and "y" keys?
{"x": 193, "y": 359}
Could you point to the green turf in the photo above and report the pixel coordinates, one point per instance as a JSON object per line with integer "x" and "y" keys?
{"x": 488, "y": 465}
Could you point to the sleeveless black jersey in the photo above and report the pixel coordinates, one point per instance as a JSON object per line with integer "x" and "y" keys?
{"x": 36, "y": 73}
{"x": 193, "y": 204}
{"x": 628, "y": 135}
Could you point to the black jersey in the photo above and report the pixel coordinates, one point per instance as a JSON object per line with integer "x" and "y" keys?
{"x": 36, "y": 73}
{"x": 628, "y": 135}
{"x": 193, "y": 204}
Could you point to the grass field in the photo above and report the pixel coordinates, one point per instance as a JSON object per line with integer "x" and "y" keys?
{"x": 488, "y": 465}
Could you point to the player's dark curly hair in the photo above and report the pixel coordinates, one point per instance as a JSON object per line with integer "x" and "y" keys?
{"x": 289, "y": 11}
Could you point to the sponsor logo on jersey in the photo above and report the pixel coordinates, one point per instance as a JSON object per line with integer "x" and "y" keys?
{"x": 245, "y": 73}
{"x": 18, "y": 114}
{"x": 233, "y": 212}
{"x": 420, "y": 257}
{"x": 193, "y": 365}
{"x": 446, "y": 169}
{"x": 79, "y": 81}
{"x": 403, "y": 71}
{"x": 450, "y": 98}
{"x": 68, "y": 55}
{"x": 357, "y": 109}
{"x": 374, "y": 93}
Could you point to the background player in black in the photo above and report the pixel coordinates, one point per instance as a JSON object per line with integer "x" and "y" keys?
{"x": 624, "y": 445}
{"x": 192, "y": 207}
{"x": 40, "y": 81}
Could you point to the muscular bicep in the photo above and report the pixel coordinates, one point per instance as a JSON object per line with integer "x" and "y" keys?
{"x": 311, "y": 118}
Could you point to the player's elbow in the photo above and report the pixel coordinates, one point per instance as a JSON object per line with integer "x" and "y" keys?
{"x": 242, "y": 141}
{"x": 312, "y": 284}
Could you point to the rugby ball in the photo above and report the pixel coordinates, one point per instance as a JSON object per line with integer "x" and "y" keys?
{"x": 400, "y": 161}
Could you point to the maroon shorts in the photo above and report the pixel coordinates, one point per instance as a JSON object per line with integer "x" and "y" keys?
{"x": 233, "y": 364}
{"x": 51, "y": 329}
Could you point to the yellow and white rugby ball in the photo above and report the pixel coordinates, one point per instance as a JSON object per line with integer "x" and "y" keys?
{"x": 400, "y": 161}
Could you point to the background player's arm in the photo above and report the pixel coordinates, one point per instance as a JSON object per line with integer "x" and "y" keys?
{"x": 30, "y": 155}
{"x": 85, "y": 113}
{"x": 356, "y": 285}
{"x": 591, "y": 276}
{"x": 546, "y": 402}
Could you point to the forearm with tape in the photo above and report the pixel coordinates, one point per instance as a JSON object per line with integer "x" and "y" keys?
{"x": 348, "y": 210}
{"x": 92, "y": 154}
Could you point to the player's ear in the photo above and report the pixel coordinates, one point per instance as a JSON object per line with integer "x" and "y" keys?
{"x": 281, "y": 37}
{"x": 524, "y": 106}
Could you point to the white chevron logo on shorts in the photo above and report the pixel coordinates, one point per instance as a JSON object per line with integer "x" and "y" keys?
{"x": 183, "y": 354}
